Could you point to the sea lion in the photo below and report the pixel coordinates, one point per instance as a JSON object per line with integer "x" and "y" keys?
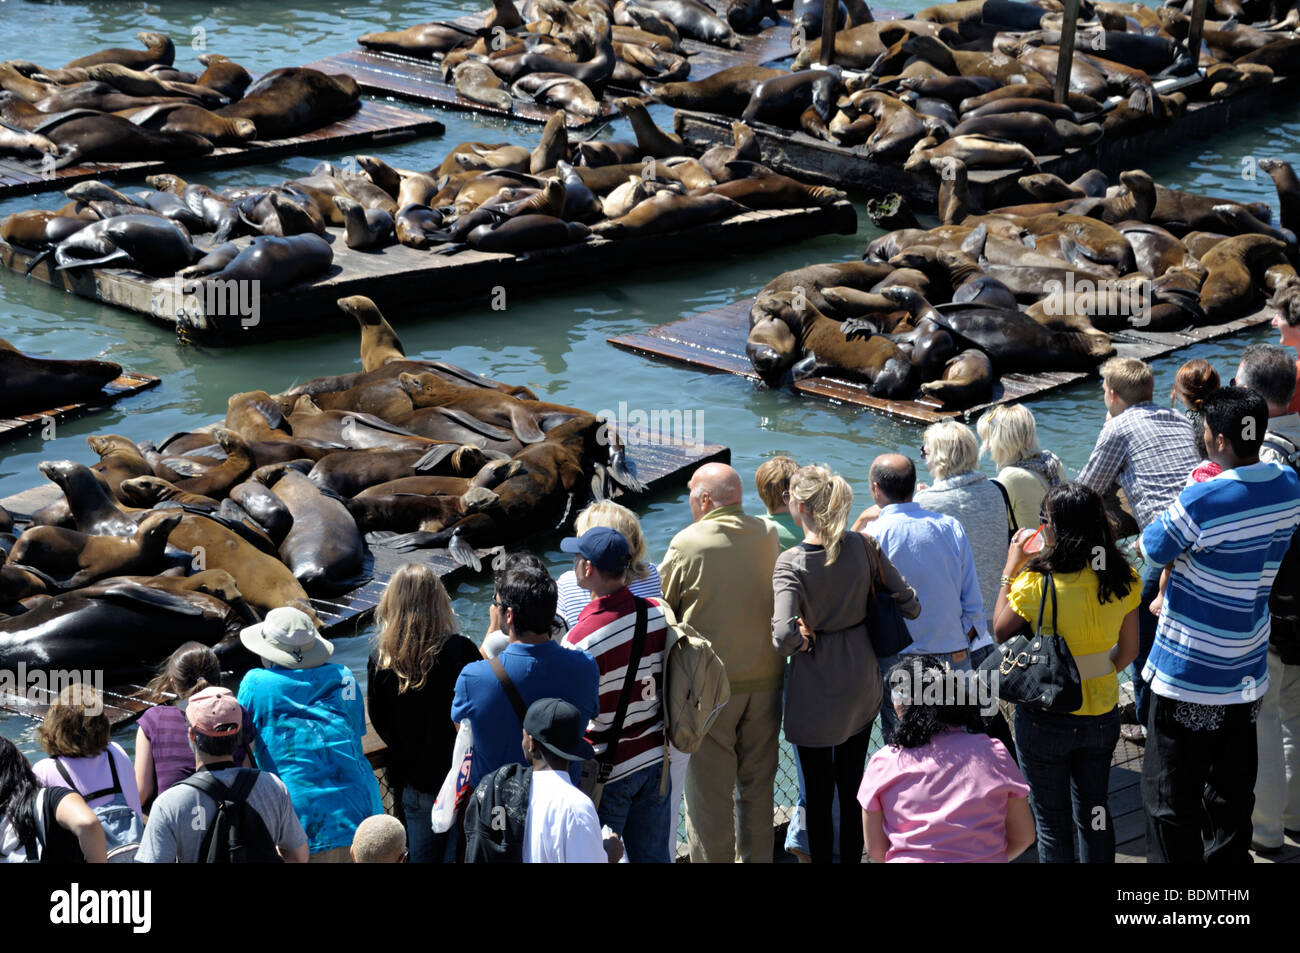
{"x": 666, "y": 211}
{"x": 217, "y": 481}
{"x": 757, "y": 187}
{"x": 275, "y": 262}
{"x": 967, "y": 380}
{"x": 1288, "y": 191}
{"x": 281, "y": 212}
{"x": 418, "y": 226}
{"x": 650, "y": 139}
{"x": 527, "y": 419}
{"x": 782, "y": 100}
{"x": 74, "y": 559}
{"x": 976, "y": 152}
{"x": 551, "y": 147}
{"x": 147, "y": 492}
{"x": 147, "y": 243}
{"x": 323, "y": 548}
{"x": 1155, "y": 251}
{"x": 119, "y": 459}
{"x": 26, "y": 229}
{"x": 224, "y": 75}
{"x": 1236, "y": 266}
{"x": 23, "y": 143}
{"x": 365, "y": 227}
{"x": 158, "y": 50}
{"x": 423, "y": 40}
{"x": 526, "y": 233}
{"x": 285, "y": 102}
{"x": 348, "y": 472}
{"x": 727, "y": 92}
{"x": 101, "y": 137}
{"x": 33, "y": 384}
{"x": 218, "y": 130}
{"x": 1014, "y": 341}
{"x": 411, "y": 510}
{"x": 696, "y": 20}
{"x": 263, "y": 506}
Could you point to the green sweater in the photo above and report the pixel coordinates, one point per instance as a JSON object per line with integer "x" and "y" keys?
{"x": 717, "y": 576}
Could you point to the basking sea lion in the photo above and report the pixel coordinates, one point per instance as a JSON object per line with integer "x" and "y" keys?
{"x": 147, "y": 492}
{"x": 666, "y": 212}
{"x": 650, "y": 139}
{"x": 101, "y": 137}
{"x": 757, "y": 187}
{"x": 560, "y": 91}
{"x": 727, "y": 92}
{"x": 527, "y": 233}
{"x": 33, "y": 384}
{"x": 74, "y": 559}
{"x": 744, "y": 149}
{"x": 976, "y": 152}
{"x": 1235, "y": 282}
{"x": 348, "y": 472}
{"x": 218, "y": 130}
{"x": 696, "y": 21}
{"x": 275, "y": 262}
{"x": 224, "y": 75}
{"x": 423, "y": 40}
{"x": 263, "y": 506}
{"x": 119, "y": 459}
{"x": 147, "y": 243}
{"x": 285, "y": 102}
{"x": 365, "y": 227}
{"x": 528, "y": 419}
{"x": 967, "y": 380}
{"x": 418, "y": 509}
{"x": 22, "y": 143}
{"x": 26, "y": 229}
{"x": 158, "y": 49}
{"x": 418, "y": 226}
{"x": 323, "y": 548}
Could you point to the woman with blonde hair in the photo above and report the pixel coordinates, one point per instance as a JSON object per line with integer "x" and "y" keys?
{"x": 1010, "y": 438}
{"x": 412, "y": 675}
{"x": 833, "y": 693}
{"x": 642, "y": 577}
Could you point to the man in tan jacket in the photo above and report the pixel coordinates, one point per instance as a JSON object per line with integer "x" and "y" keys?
{"x": 717, "y": 576}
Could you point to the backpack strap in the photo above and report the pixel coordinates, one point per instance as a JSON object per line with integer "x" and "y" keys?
{"x": 1013, "y": 526}
{"x": 512, "y": 693}
{"x": 204, "y": 780}
{"x": 620, "y": 714}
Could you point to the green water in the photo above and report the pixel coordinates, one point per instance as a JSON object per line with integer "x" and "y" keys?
{"x": 552, "y": 339}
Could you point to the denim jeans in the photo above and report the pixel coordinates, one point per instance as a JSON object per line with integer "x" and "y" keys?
{"x": 1198, "y": 781}
{"x": 1066, "y": 760}
{"x": 633, "y": 808}
{"x": 888, "y": 718}
{"x": 425, "y": 846}
{"x": 1146, "y": 639}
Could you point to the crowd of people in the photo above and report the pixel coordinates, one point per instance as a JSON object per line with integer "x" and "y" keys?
{"x": 551, "y": 737}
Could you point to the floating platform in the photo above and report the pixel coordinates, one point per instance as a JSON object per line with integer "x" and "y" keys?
{"x": 11, "y": 428}
{"x": 662, "y": 462}
{"x": 398, "y": 276}
{"x": 122, "y": 704}
{"x": 716, "y": 340}
{"x": 374, "y": 124}
{"x": 815, "y": 161}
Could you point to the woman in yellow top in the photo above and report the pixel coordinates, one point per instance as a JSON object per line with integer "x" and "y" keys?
{"x": 1066, "y": 757}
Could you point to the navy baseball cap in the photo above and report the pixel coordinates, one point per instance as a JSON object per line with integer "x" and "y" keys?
{"x": 604, "y": 548}
{"x": 558, "y": 727}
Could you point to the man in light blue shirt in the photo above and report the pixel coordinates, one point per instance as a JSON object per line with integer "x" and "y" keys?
{"x": 934, "y": 556}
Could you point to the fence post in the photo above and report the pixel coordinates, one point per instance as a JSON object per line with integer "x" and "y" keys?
{"x": 1066, "y": 59}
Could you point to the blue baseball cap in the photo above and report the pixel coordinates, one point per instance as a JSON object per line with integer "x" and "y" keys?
{"x": 604, "y": 548}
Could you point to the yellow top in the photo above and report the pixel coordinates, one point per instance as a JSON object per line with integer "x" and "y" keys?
{"x": 1088, "y": 626}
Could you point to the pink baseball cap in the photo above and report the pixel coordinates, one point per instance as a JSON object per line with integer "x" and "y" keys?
{"x": 214, "y": 712}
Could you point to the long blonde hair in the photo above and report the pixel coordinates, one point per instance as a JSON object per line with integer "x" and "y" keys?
{"x": 414, "y": 618}
{"x": 619, "y": 518}
{"x": 828, "y": 497}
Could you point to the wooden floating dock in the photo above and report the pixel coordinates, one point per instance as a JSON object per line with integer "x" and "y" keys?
{"x": 406, "y": 77}
{"x": 374, "y": 124}
{"x": 129, "y": 383}
{"x": 122, "y": 704}
{"x": 797, "y": 154}
{"x": 716, "y": 340}
{"x": 399, "y": 276}
{"x": 662, "y": 462}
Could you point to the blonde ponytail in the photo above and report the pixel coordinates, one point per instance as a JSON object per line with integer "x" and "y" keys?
{"x": 828, "y": 498}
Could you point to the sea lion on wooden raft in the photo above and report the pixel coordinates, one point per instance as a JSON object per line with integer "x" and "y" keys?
{"x": 147, "y": 492}
{"x": 365, "y": 227}
{"x": 665, "y": 212}
{"x": 218, "y": 130}
{"x": 285, "y": 102}
{"x": 223, "y": 75}
{"x": 101, "y": 137}
{"x": 424, "y": 40}
{"x": 74, "y": 559}
{"x": 348, "y": 472}
{"x": 967, "y": 380}
{"x": 147, "y": 243}
{"x": 727, "y": 92}
{"x": 412, "y": 510}
{"x": 34, "y": 384}
{"x": 527, "y": 419}
{"x": 158, "y": 50}
{"x": 323, "y": 548}
{"x": 1236, "y": 281}
{"x": 119, "y": 459}
{"x": 275, "y": 262}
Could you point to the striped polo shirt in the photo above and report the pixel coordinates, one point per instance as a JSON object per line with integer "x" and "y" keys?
{"x": 1226, "y": 538}
{"x": 604, "y": 631}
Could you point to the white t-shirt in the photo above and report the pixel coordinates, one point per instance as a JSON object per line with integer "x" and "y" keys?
{"x": 562, "y": 825}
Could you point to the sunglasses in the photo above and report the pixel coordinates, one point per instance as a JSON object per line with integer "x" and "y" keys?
{"x": 498, "y": 603}
{"x": 923, "y": 453}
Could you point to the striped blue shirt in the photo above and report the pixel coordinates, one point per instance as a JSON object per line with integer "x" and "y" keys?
{"x": 1226, "y": 538}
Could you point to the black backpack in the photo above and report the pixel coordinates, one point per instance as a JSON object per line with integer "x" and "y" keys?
{"x": 237, "y": 835}
{"x": 496, "y": 816}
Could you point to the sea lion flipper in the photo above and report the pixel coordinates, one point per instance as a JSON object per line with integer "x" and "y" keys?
{"x": 158, "y": 598}
{"x": 474, "y": 425}
{"x": 623, "y": 470}
{"x": 183, "y": 467}
{"x": 525, "y": 426}
{"x": 806, "y": 366}
{"x": 463, "y": 552}
{"x": 405, "y": 542}
{"x": 853, "y": 328}
{"x": 435, "y": 455}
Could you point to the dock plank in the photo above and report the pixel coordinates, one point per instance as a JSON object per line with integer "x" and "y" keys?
{"x": 398, "y": 276}
{"x": 715, "y": 340}
{"x": 128, "y": 383}
{"x": 375, "y": 123}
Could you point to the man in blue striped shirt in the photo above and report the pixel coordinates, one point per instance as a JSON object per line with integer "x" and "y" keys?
{"x": 1208, "y": 668}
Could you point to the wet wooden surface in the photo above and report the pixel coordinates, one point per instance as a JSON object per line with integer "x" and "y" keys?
{"x": 11, "y": 428}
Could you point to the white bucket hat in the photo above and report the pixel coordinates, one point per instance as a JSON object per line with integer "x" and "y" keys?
{"x": 287, "y": 637}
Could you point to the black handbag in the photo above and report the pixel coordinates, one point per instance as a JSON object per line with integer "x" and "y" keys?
{"x": 885, "y": 623}
{"x": 1037, "y": 670}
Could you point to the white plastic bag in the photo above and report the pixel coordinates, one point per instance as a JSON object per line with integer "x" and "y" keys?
{"x": 457, "y": 779}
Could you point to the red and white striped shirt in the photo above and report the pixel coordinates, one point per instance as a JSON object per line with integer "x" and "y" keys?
{"x": 604, "y": 631}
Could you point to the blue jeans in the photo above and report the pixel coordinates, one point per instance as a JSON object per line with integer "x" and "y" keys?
{"x": 888, "y": 718}
{"x": 1066, "y": 760}
{"x": 633, "y": 808}
{"x": 1146, "y": 639}
{"x": 425, "y": 846}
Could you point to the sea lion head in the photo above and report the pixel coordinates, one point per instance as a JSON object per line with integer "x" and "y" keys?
{"x": 244, "y": 128}
{"x": 156, "y": 527}
{"x": 228, "y": 440}
{"x": 417, "y": 384}
{"x": 64, "y": 473}
{"x": 145, "y": 491}
{"x": 104, "y": 444}
{"x": 772, "y": 345}
{"x": 166, "y": 182}
{"x": 215, "y": 582}
{"x": 361, "y": 308}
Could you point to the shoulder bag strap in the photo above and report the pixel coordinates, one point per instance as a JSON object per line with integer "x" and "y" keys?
{"x": 1049, "y": 584}
{"x": 1011, "y": 513}
{"x": 516, "y": 700}
{"x": 203, "y": 780}
{"x": 633, "y": 664}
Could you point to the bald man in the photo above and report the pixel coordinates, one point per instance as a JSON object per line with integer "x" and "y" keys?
{"x": 717, "y": 576}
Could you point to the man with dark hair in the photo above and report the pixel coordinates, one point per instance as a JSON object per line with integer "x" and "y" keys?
{"x": 532, "y": 666}
{"x": 1207, "y": 670}
{"x": 932, "y": 553}
{"x": 1149, "y": 452}
{"x": 181, "y": 816}
{"x": 1270, "y": 372}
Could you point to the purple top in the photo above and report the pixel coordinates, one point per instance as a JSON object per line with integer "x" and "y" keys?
{"x": 168, "y": 734}
{"x": 93, "y": 774}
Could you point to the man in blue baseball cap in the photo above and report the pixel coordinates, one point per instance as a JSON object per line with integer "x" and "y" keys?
{"x": 627, "y": 636}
